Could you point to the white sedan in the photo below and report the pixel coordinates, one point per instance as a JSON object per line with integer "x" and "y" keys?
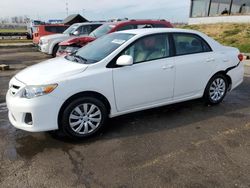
{"x": 121, "y": 73}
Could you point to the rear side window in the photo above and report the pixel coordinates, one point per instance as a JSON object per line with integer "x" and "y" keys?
{"x": 55, "y": 29}
{"x": 141, "y": 26}
{"x": 125, "y": 27}
{"x": 85, "y": 29}
{"x": 93, "y": 27}
{"x": 189, "y": 44}
{"x": 159, "y": 26}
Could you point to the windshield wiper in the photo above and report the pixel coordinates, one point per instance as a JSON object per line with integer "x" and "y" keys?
{"x": 76, "y": 58}
{"x": 79, "y": 57}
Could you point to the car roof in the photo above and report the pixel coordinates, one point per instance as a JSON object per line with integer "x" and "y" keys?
{"x": 136, "y": 21}
{"x": 147, "y": 31}
{"x": 142, "y": 32}
{"x": 89, "y": 23}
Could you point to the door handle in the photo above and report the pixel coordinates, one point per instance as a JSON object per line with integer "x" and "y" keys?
{"x": 210, "y": 59}
{"x": 167, "y": 67}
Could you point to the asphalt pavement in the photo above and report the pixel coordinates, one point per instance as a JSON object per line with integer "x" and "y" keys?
{"x": 183, "y": 145}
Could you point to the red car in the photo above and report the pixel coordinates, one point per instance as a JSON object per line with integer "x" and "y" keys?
{"x": 43, "y": 30}
{"x": 72, "y": 45}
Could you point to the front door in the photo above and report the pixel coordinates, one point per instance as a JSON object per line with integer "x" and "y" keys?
{"x": 150, "y": 80}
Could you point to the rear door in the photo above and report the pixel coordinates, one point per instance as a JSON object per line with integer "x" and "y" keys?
{"x": 194, "y": 62}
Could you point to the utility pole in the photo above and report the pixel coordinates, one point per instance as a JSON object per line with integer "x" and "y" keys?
{"x": 67, "y": 7}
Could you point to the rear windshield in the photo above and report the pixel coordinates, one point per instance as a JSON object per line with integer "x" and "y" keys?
{"x": 102, "y": 30}
{"x": 71, "y": 29}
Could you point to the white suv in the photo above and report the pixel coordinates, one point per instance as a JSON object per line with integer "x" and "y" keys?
{"x": 49, "y": 44}
{"x": 121, "y": 73}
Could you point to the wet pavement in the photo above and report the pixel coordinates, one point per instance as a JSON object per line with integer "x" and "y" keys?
{"x": 183, "y": 145}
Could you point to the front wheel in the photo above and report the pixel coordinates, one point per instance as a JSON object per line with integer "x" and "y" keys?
{"x": 54, "y": 51}
{"x": 216, "y": 89}
{"x": 83, "y": 117}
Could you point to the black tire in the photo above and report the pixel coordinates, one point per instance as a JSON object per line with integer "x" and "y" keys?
{"x": 208, "y": 91}
{"x": 64, "y": 122}
{"x": 54, "y": 51}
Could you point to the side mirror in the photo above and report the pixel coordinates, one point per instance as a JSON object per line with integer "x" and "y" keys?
{"x": 76, "y": 33}
{"x": 125, "y": 60}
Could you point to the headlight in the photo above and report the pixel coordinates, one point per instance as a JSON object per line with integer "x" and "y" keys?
{"x": 44, "y": 41}
{"x": 36, "y": 91}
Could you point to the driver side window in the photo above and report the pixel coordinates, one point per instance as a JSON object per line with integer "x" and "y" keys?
{"x": 149, "y": 48}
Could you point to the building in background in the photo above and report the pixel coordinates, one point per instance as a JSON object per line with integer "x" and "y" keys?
{"x": 215, "y": 11}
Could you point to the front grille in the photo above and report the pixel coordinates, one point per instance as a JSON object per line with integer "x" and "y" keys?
{"x": 62, "y": 48}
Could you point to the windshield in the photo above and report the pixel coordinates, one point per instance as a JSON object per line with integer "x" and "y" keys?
{"x": 102, "y": 30}
{"x": 100, "y": 48}
{"x": 71, "y": 29}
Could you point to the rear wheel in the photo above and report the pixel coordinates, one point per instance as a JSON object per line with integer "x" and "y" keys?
{"x": 216, "y": 89}
{"x": 83, "y": 117}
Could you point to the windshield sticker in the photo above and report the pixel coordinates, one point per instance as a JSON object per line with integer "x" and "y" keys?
{"x": 118, "y": 41}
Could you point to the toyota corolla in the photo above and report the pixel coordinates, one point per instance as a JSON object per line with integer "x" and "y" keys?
{"x": 121, "y": 73}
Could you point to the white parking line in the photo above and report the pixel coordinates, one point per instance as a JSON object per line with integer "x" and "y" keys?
{"x": 3, "y": 107}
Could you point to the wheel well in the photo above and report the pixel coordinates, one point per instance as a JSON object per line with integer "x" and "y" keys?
{"x": 228, "y": 78}
{"x": 51, "y": 49}
{"x": 84, "y": 94}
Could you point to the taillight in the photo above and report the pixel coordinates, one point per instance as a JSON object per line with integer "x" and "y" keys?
{"x": 241, "y": 57}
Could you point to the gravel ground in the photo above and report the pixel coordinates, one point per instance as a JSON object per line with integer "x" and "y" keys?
{"x": 183, "y": 145}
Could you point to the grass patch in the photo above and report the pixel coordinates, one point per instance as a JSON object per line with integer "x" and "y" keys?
{"x": 228, "y": 33}
{"x": 15, "y": 41}
{"x": 236, "y": 35}
{"x": 12, "y": 30}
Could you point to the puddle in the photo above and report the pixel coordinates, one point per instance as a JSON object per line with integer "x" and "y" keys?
{"x": 29, "y": 146}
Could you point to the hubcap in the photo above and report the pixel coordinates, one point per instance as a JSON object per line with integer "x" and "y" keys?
{"x": 217, "y": 89}
{"x": 85, "y": 118}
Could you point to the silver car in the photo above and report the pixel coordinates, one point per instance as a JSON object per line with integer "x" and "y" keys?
{"x": 49, "y": 44}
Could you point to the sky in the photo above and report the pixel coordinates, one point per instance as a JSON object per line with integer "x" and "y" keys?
{"x": 173, "y": 10}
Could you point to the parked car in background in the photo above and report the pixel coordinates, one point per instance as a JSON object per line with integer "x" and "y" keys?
{"x": 32, "y": 27}
{"x": 49, "y": 44}
{"x": 71, "y": 45}
{"x": 49, "y": 29}
{"x": 120, "y": 73}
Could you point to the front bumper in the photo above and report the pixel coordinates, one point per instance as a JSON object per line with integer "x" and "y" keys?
{"x": 44, "y": 48}
{"x": 44, "y": 112}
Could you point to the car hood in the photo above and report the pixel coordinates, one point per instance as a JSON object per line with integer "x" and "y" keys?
{"x": 55, "y": 36}
{"x": 77, "y": 40}
{"x": 50, "y": 71}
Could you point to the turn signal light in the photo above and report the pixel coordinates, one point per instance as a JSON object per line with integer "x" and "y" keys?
{"x": 241, "y": 57}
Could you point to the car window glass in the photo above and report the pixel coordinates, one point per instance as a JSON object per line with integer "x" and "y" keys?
{"x": 56, "y": 29}
{"x": 141, "y": 26}
{"x": 93, "y": 27}
{"x": 85, "y": 29}
{"x": 149, "y": 48}
{"x": 102, "y": 30}
{"x": 188, "y": 44}
{"x": 125, "y": 27}
{"x": 159, "y": 25}
{"x": 103, "y": 46}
